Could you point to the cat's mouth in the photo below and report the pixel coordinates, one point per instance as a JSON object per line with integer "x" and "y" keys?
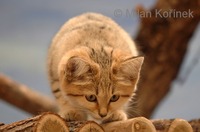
{"x": 96, "y": 117}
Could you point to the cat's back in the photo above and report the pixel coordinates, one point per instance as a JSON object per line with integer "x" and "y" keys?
{"x": 87, "y": 20}
{"x": 92, "y": 19}
{"x": 91, "y": 30}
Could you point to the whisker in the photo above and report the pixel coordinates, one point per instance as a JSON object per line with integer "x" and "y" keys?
{"x": 133, "y": 108}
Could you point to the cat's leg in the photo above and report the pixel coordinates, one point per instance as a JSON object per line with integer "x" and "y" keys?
{"x": 69, "y": 113}
{"x": 65, "y": 110}
{"x": 118, "y": 115}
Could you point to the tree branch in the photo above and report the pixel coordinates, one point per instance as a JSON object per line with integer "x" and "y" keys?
{"x": 24, "y": 98}
{"x": 173, "y": 125}
{"x": 164, "y": 42}
{"x": 51, "y": 122}
{"x": 41, "y": 123}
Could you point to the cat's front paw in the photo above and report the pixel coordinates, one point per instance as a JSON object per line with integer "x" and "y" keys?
{"x": 73, "y": 115}
{"x": 116, "y": 116}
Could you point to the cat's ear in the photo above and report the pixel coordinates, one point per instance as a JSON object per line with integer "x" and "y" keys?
{"x": 127, "y": 71}
{"x": 79, "y": 71}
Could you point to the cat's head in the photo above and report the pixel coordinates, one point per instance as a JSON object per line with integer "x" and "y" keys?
{"x": 99, "y": 82}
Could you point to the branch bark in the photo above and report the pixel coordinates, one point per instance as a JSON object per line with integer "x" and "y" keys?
{"x": 173, "y": 125}
{"x": 24, "y": 98}
{"x": 51, "y": 122}
{"x": 84, "y": 126}
{"x": 164, "y": 42}
{"x": 41, "y": 123}
{"x": 195, "y": 125}
{"x": 139, "y": 124}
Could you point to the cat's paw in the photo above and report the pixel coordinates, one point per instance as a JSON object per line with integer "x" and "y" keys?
{"x": 73, "y": 115}
{"x": 116, "y": 116}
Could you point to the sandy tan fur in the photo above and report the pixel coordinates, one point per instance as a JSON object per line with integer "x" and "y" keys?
{"x": 92, "y": 55}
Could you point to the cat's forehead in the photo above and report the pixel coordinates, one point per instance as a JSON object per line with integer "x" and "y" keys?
{"x": 102, "y": 56}
{"x": 105, "y": 84}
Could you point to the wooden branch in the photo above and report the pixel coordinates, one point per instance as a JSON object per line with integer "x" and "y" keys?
{"x": 51, "y": 122}
{"x": 174, "y": 125}
{"x": 195, "y": 125}
{"x": 1, "y": 124}
{"x": 164, "y": 42}
{"x": 24, "y": 98}
{"x": 139, "y": 124}
{"x": 42, "y": 123}
{"x": 84, "y": 126}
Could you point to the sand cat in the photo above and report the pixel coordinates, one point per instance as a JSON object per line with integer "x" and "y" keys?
{"x": 93, "y": 68}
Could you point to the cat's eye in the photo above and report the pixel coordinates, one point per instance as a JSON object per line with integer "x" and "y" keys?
{"x": 91, "y": 98}
{"x": 114, "y": 98}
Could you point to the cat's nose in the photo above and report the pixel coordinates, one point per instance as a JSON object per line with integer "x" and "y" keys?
{"x": 103, "y": 114}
